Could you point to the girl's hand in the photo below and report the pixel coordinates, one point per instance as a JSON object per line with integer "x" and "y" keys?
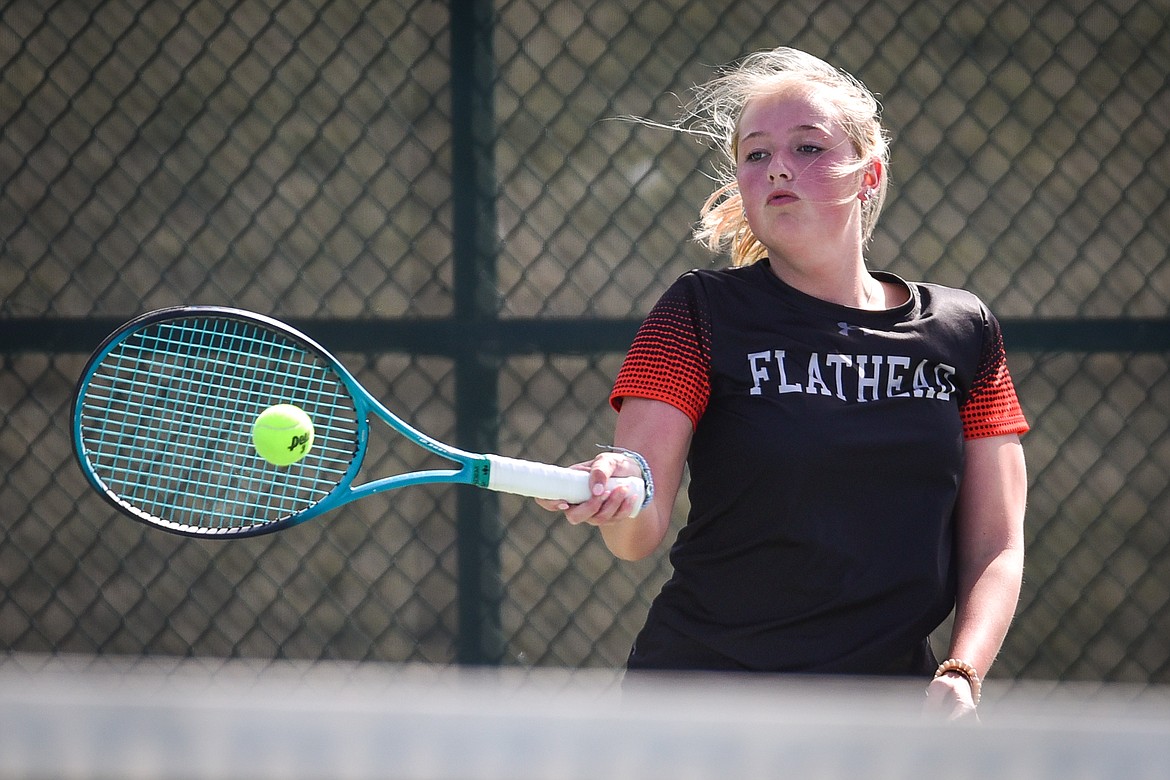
{"x": 606, "y": 507}
{"x": 949, "y": 697}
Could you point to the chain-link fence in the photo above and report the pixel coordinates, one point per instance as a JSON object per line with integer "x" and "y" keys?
{"x": 445, "y": 195}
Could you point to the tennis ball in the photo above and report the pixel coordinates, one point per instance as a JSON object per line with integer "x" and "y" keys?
{"x": 282, "y": 434}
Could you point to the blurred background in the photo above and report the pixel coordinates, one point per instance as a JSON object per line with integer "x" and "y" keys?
{"x": 444, "y": 194}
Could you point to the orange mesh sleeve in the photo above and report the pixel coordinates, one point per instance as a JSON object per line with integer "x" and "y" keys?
{"x": 670, "y": 358}
{"x": 992, "y": 408}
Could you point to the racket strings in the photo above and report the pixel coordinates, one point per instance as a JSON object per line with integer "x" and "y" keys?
{"x": 168, "y": 414}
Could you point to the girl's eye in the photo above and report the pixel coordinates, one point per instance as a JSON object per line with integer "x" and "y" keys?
{"x": 809, "y": 149}
{"x": 755, "y": 156}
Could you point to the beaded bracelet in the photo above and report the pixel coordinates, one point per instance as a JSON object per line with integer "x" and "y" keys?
{"x": 647, "y": 477}
{"x": 969, "y": 673}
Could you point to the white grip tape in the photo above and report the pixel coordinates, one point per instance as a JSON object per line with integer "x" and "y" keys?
{"x": 540, "y": 480}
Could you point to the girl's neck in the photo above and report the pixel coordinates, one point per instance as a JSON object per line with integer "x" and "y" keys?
{"x": 847, "y": 284}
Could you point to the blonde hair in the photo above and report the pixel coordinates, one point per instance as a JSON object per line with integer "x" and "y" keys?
{"x": 715, "y": 113}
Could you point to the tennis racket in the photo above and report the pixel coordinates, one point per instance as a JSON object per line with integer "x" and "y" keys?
{"x": 163, "y": 415}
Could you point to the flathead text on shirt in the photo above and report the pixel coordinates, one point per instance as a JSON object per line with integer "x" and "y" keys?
{"x": 853, "y": 378}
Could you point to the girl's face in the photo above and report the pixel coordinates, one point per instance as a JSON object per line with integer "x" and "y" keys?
{"x": 798, "y": 173}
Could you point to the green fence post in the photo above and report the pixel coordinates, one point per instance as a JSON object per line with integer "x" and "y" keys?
{"x": 477, "y": 307}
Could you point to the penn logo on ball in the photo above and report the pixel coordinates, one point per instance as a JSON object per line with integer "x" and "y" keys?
{"x": 282, "y": 434}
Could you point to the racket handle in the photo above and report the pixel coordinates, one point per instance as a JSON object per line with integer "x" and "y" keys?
{"x": 540, "y": 480}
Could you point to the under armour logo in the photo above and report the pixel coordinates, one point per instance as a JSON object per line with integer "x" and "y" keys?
{"x": 845, "y": 327}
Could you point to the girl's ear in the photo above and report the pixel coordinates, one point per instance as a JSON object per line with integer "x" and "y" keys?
{"x": 872, "y": 173}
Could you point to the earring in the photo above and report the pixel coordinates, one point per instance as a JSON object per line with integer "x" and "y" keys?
{"x": 866, "y": 194}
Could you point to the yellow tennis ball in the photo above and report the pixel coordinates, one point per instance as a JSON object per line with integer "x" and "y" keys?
{"x": 282, "y": 434}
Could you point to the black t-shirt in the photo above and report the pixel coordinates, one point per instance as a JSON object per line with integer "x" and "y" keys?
{"x": 825, "y": 463}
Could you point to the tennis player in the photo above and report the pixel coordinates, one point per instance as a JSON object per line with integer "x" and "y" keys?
{"x": 852, "y": 437}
